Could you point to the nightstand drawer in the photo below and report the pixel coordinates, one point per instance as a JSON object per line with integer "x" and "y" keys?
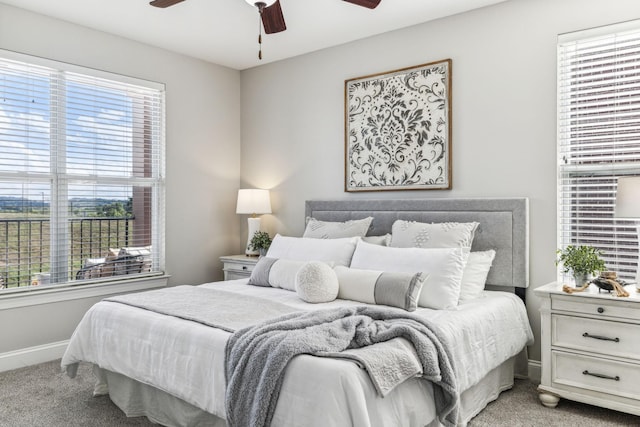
{"x": 600, "y": 375}
{"x": 238, "y": 267}
{"x": 600, "y": 307}
{"x": 233, "y": 275}
{"x": 599, "y": 336}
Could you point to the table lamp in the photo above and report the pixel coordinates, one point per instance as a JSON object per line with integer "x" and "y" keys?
{"x": 253, "y": 202}
{"x": 628, "y": 205}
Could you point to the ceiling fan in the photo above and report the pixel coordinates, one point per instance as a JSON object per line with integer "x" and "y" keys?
{"x": 270, "y": 11}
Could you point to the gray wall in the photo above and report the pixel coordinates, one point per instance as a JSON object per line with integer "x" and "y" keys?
{"x": 202, "y": 146}
{"x": 504, "y": 113}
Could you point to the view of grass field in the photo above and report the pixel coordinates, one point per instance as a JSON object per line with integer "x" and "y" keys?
{"x": 25, "y": 244}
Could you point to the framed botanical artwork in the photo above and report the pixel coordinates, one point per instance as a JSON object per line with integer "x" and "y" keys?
{"x": 398, "y": 129}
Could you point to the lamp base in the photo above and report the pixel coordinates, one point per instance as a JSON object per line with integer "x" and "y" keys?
{"x": 253, "y": 225}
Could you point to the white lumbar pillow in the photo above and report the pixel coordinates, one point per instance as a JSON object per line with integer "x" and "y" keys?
{"x": 317, "y": 282}
{"x": 337, "y": 251}
{"x": 444, "y": 266}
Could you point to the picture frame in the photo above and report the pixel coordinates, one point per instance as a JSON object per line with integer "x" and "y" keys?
{"x": 398, "y": 129}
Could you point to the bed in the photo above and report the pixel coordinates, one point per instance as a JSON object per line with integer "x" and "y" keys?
{"x": 172, "y": 369}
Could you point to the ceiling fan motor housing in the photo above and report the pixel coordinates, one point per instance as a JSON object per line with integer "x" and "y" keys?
{"x": 261, "y": 3}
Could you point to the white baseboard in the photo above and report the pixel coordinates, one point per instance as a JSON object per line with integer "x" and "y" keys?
{"x": 32, "y": 355}
{"x": 535, "y": 371}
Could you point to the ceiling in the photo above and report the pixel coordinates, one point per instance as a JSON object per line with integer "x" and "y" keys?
{"x": 225, "y": 32}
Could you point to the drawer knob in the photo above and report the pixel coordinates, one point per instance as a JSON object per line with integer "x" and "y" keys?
{"x": 600, "y": 310}
{"x": 606, "y": 377}
{"x": 600, "y": 337}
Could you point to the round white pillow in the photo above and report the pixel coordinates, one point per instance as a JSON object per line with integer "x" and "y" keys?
{"x": 317, "y": 282}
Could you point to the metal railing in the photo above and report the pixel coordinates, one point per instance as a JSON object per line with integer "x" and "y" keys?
{"x": 25, "y": 245}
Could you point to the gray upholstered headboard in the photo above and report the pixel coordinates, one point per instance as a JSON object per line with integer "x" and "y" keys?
{"x": 504, "y": 226}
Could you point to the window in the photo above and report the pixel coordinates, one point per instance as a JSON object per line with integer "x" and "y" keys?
{"x": 81, "y": 174}
{"x": 598, "y": 139}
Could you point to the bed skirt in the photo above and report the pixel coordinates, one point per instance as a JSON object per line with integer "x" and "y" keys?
{"x": 136, "y": 399}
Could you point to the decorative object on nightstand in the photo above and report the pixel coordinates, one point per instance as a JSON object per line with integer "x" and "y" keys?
{"x": 628, "y": 206}
{"x": 589, "y": 348}
{"x": 608, "y": 281}
{"x": 253, "y": 202}
{"x": 238, "y": 266}
{"x": 582, "y": 261}
{"x": 260, "y": 242}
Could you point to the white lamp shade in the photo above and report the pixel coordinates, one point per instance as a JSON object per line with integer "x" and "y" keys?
{"x": 253, "y": 201}
{"x": 628, "y": 198}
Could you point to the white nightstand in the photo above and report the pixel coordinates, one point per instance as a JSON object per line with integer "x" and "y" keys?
{"x": 590, "y": 347}
{"x": 238, "y": 266}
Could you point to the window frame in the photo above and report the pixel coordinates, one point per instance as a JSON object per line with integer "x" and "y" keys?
{"x": 594, "y": 222}
{"x": 58, "y": 215}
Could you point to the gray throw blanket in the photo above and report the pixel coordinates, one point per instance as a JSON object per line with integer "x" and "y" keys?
{"x": 228, "y": 311}
{"x": 256, "y": 357}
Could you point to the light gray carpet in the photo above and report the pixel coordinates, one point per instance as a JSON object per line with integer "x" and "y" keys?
{"x": 41, "y": 396}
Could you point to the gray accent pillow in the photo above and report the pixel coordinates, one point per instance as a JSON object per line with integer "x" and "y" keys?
{"x": 412, "y": 234}
{"x": 400, "y": 290}
{"x": 334, "y": 230}
{"x": 260, "y": 273}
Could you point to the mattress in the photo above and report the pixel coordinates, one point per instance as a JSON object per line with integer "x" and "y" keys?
{"x": 186, "y": 359}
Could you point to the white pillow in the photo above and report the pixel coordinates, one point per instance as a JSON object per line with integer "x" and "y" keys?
{"x": 383, "y": 240}
{"x": 444, "y": 266}
{"x": 412, "y": 234}
{"x": 283, "y": 273}
{"x": 335, "y": 230}
{"x": 337, "y": 251}
{"x": 379, "y": 287}
{"x": 475, "y": 274}
{"x": 316, "y": 282}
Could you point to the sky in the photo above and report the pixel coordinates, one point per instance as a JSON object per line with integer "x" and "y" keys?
{"x": 95, "y": 127}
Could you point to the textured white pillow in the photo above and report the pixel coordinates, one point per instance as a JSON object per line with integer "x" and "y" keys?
{"x": 316, "y": 282}
{"x": 444, "y": 266}
{"x": 380, "y": 287}
{"x": 334, "y": 230}
{"x": 475, "y": 274}
{"x": 337, "y": 251}
{"x": 412, "y": 234}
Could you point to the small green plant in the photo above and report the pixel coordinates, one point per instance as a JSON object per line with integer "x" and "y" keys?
{"x": 580, "y": 259}
{"x": 260, "y": 241}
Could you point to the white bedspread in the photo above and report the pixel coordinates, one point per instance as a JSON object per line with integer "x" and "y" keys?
{"x": 186, "y": 359}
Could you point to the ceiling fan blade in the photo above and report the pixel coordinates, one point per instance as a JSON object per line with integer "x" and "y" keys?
{"x": 273, "y": 19}
{"x": 371, "y": 4}
{"x": 164, "y": 3}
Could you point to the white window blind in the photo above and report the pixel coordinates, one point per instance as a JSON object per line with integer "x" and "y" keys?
{"x": 81, "y": 174}
{"x": 598, "y": 139}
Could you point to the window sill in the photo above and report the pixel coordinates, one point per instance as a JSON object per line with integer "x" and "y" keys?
{"x": 48, "y": 296}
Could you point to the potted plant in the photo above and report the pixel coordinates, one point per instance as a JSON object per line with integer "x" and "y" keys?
{"x": 581, "y": 261}
{"x": 260, "y": 242}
